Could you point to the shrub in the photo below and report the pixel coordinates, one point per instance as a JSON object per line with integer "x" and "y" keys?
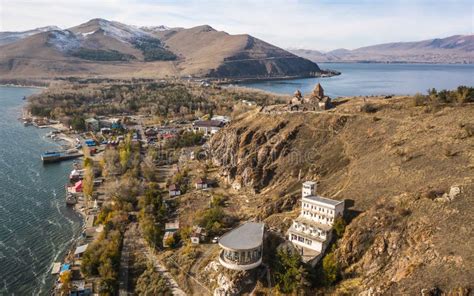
{"x": 369, "y": 108}
{"x": 420, "y": 100}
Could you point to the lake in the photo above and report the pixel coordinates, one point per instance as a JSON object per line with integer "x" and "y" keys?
{"x": 376, "y": 79}
{"x": 36, "y": 228}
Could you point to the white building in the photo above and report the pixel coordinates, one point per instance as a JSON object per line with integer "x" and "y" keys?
{"x": 311, "y": 231}
{"x": 207, "y": 127}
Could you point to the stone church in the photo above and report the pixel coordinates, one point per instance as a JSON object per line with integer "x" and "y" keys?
{"x": 316, "y": 101}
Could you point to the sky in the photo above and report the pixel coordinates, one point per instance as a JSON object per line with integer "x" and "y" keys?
{"x": 309, "y": 24}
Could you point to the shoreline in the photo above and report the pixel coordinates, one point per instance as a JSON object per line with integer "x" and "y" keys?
{"x": 22, "y": 86}
{"x": 64, "y": 139}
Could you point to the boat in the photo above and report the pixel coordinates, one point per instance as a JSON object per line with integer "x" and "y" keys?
{"x": 56, "y": 268}
{"x": 70, "y": 199}
{"x": 51, "y": 156}
{"x": 56, "y": 156}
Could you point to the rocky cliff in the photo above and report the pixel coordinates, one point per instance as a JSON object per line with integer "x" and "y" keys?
{"x": 405, "y": 172}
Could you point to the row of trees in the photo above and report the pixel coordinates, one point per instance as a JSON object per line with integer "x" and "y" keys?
{"x": 152, "y": 215}
{"x": 102, "y": 257}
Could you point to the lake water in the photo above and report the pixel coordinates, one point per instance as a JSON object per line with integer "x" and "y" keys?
{"x": 36, "y": 228}
{"x": 377, "y": 79}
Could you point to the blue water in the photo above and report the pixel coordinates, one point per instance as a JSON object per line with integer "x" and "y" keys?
{"x": 377, "y": 79}
{"x": 36, "y": 227}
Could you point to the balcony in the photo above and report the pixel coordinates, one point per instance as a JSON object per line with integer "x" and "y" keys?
{"x": 236, "y": 265}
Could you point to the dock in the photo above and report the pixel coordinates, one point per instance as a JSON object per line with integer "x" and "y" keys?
{"x": 50, "y": 157}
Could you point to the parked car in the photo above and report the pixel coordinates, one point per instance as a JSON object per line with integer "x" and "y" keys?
{"x": 215, "y": 240}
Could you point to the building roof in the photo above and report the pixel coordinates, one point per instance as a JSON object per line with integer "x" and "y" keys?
{"x": 246, "y": 236}
{"x": 324, "y": 200}
{"x": 201, "y": 181}
{"x": 208, "y": 123}
{"x": 91, "y": 120}
{"x": 309, "y": 183}
{"x": 170, "y": 226}
{"x": 80, "y": 249}
{"x": 173, "y": 187}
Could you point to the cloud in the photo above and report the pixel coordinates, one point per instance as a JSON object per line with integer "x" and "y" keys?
{"x": 287, "y": 23}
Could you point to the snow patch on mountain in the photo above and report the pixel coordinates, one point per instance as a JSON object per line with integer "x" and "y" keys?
{"x": 9, "y": 37}
{"x": 88, "y": 33}
{"x": 121, "y": 31}
{"x": 64, "y": 40}
{"x": 159, "y": 28}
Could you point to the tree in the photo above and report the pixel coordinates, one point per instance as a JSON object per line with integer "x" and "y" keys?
{"x": 150, "y": 283}
{"x": 88, "y": 181}
{"x": 78, "y": 123}
{"x": 339, "y": 226}
{"x": 290, "y": 274}
{"x": 65, "y": 279}
{"x": 212, "y": 219}
{"x": 171, "y": 241}
{"x": 330, "y": 269}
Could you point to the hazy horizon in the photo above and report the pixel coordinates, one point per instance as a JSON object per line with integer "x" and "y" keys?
{"x": 321, "y": 25}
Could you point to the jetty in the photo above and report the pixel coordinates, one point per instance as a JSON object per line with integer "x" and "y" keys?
{"x": 57, "y": 156}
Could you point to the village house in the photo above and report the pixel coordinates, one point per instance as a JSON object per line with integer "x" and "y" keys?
{"x": 173, "y": 190}
{"x": 198, "y": 235}
{"x": 242, "y": 247}
{"x": 201, "y": 183}
{"x": 172, "y": 226}
{"x": 207, "y": 127}
{"x": 92, "y": 124}
{"x": 311, "y": 232}
{"x": 222, "y": 118}
{"x": 80, "y": 251}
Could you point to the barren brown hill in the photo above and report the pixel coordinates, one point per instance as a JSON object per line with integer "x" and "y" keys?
{"x": 107, "y": 48}
{"x": 398, "y": 166}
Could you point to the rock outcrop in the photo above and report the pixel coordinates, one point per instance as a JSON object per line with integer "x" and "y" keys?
{"x": 409, "y": 201}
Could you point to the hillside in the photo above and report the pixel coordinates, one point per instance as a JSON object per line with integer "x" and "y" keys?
{"x": 108, "y": 48}
{"x": 392, "y": 163}
{"x": 454, "y": 49}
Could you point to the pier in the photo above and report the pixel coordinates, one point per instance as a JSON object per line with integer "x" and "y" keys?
{"x": 50, "y": 157}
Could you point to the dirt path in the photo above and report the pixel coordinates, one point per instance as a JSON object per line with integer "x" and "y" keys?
{"x": 144, "y": 248}
{"x": 164, "y": 172}
{"x": 129, "y": 239}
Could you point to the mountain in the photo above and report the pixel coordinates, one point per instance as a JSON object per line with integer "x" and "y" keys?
{"x": 107, "y": 48}
{"x": 454, "y": 49}
{"x": 10, "y": 37}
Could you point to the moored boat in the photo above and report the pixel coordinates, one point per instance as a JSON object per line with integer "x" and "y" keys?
{"x": 51, "y": 156}
{"x": 70, "y": 199}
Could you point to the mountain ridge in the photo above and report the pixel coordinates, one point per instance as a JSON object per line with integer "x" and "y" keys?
{"x": 101, "y": 47}
{"x": 452, "y": 49}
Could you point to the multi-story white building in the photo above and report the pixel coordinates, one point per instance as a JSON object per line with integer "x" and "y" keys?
{"x": 311, "y": 231}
